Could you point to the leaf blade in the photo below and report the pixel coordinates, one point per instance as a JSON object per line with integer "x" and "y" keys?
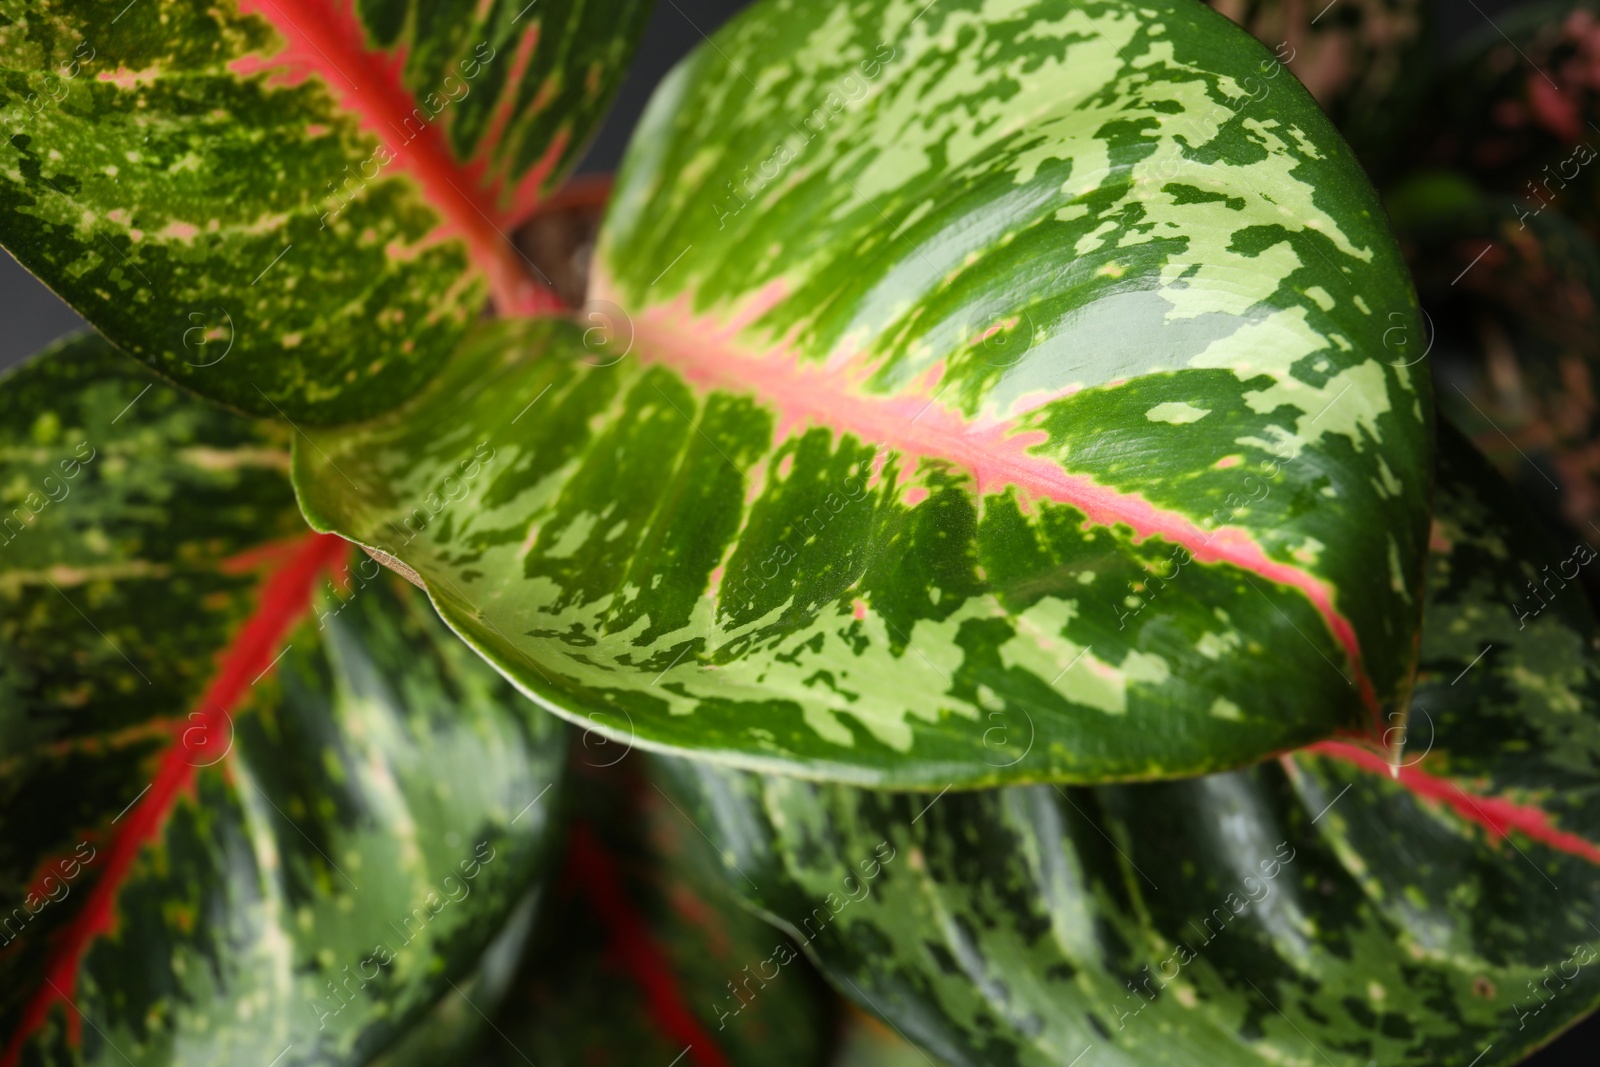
{"x": 1315, "y": 905}
{"x": 246, "y": 765}
{"x": 774, "y": 507}
{"x": 644, "y": 953}
{"x": 273, "y": 208}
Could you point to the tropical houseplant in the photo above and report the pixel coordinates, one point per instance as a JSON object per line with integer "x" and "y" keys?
{"x": 987, "y": 526}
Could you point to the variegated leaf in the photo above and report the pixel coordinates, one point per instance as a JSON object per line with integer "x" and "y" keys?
{"x": 294, "y": 206}
{"x": 255, "y": 800}
{"x": 1330, "y": 907}
{"x": 643, "y": 956}
{"x": 1041, "y": 408}
{"x": 456, "y": 1024}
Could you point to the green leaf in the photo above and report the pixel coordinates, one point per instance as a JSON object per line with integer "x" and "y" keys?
{"x": 254, "y": 798}
{"x": 294, "y": 208}
{"x": 790, "y": 503}
{"x": 1314, "y": 909}
{"x": 456, "y": 1024}
{"x": 643, "y": 955}
{"x": 1366, "y": 62}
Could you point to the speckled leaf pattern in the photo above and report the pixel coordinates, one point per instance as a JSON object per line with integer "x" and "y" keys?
{"x": 294, "y": 206}
{"x": 987, "y": 408}
{"x": 643, "y": 955}
{"x": 254, "y": 798}
{"x": 1365, "y": 61}
{"x": 1308, "y": 910}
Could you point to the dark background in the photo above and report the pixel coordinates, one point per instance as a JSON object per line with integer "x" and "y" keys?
{"x": 31, "y": 316}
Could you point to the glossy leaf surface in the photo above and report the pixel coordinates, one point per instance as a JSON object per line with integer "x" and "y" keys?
{"x": 1312, "y": 909}
{"x": 294, "y": 206}
{"x": 254, "y": 798}
{"x": 790, "y": 502}
{"x": 643, "y": 955}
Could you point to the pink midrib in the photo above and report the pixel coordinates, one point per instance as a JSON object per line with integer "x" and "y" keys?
{"x": 327, "y": 40}
{"x": 704, "y": 350}
{"x": 1495, "y": 814}
{"x": 284, "y": 599}
{"x": 632, "y": 945}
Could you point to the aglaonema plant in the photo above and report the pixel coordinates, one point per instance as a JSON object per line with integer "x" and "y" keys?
{"x": 227, "y": 823}
{"x": 1025, "y": 403}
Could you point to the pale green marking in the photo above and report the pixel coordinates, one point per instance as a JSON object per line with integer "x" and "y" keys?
{"x": 1177, "y": 412}
{"x": 1307, "y": 147}
{"x": 1095, "y": 74}
{"x": 1223, "y": 708}
{"x": 1071, "y": 212}
{"x": 1268, "y": 346}
{"x": 1386, "y": 483}
{"x": 894, "y": 133}
{"x": 1292, "y": 196}
{"x": 1397, "y": 576}
{"x": 989, "y": 700}
{"x": 573, "y": 537}
{"x": 1210, "y": 281}
{"x": 272, "y": 946}
{"x": 871, "y": 685}
{"x": 829, "y": 41}
{"x": 1081, "y": 677}
{"x": 1146, "y": 667}
{"x": 1349, "y": 403}
{"x": 1215, "y": 645}
{"x": 1309, "y": 552}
